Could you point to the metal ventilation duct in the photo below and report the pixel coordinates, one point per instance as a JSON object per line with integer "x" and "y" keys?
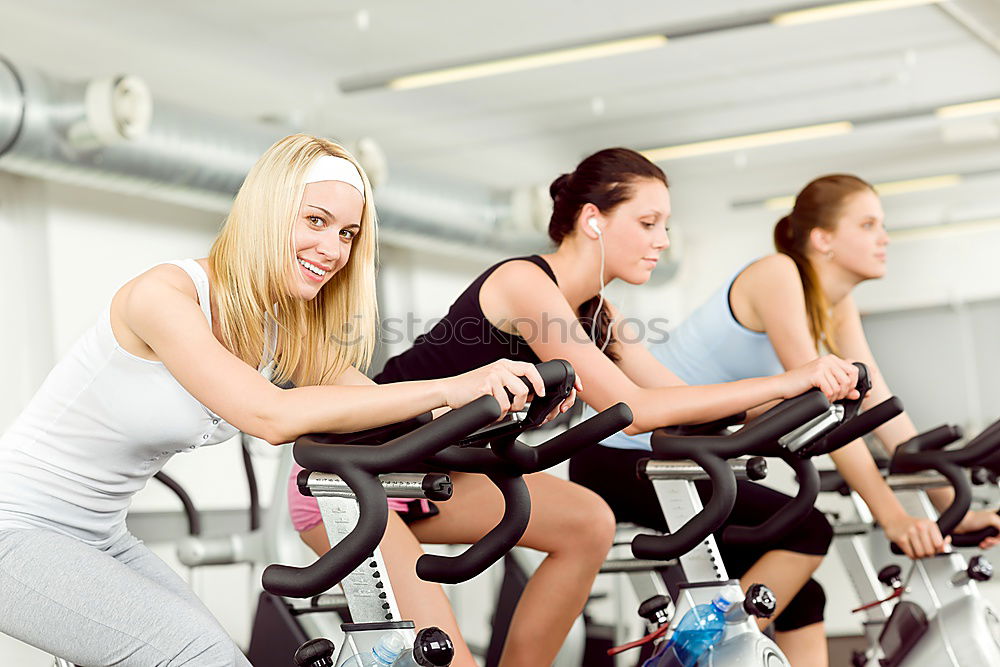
{"x": 107, "y": 134}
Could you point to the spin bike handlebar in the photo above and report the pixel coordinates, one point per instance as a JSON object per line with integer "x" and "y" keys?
{"x": 711, "y": 452}
{"x": 506, "y": 461}
{"x": 925, "y": 452}
{"x": 358, "y": 466}
{"x": 432, "y": 446}
{"x": 854, "y": 424}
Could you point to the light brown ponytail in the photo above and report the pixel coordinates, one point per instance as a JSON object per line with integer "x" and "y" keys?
{"x": 818, "y": 205}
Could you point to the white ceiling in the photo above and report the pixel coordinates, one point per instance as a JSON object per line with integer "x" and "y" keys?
{"x": 257, "y": 58}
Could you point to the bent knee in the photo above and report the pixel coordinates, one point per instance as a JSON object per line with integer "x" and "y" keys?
{"x": 805, "y": 608}
{"x": 590, "y": 523}
{"x": 211, "y": 648}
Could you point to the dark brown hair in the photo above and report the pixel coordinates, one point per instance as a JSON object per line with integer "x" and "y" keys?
{"x": 606, "y": 179}
{"x": 818, "y": 205}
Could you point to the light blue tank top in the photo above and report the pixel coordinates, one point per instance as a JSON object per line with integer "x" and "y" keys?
{"x": 710, "y": 347}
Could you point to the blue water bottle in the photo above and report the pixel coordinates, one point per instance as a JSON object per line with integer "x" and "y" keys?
{"x": 701, "y": 628}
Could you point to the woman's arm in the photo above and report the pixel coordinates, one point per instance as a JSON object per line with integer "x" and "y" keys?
{"x": 768, "y": 295}
{"x": 160, "y": 308}
{"x": 851, "y": 337}
{"x": 548, "y": 324}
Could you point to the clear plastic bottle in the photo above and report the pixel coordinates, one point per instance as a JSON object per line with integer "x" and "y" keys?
{"x": 385, "y": 652}
{"x": 406, "y": 659}
{"x": 701, "y": 628}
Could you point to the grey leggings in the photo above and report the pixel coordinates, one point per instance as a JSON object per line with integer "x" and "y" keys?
{"x": 118, "y": 606}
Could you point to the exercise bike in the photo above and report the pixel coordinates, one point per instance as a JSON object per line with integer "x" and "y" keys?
{"x": 935, "y": 615}
{"x": 795, "y": 431}
{"x": 352, "y": 501}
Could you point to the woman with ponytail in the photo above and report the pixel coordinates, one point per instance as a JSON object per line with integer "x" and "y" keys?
{"x": 781, "y": 312}
{"x": 609, "y": 222}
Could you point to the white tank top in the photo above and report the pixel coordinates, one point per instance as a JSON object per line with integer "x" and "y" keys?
{"x": 103, "y": 422}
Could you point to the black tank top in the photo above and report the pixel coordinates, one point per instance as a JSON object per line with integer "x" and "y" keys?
{"x": 463, "y": 340}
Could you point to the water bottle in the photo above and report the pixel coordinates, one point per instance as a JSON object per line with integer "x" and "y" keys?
{"x": 701, "y": 628}
{"x": 389, "y": 647}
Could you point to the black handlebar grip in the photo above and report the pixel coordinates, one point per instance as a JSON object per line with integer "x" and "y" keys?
{"x": 790, "y": 516}
{"x": 348, "y": 554}
{"x": 379, "y": 434}
{"x": 985, "y": 445}
{"x": 523, "y": 456}
{"x": 907, "y": 457}
{"x": 863, "y": 385}
{"x": 479, "y": 556}
{"x": 717, "y": 427}
{"x": 703, "y": 524}
{"x": 852, "y": 429}
{"x": 973, "y": 539}
{"x": 959, "y": 507}
{"x": 315, "y": 453}
{"x": 583, "y": 435}
{"x": 767, "y": 428}
{"x": 558, "y": 378}
{"x": 557, "y": 375}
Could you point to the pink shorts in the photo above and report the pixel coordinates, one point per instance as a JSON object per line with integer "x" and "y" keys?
{"x": 305, "y": 511}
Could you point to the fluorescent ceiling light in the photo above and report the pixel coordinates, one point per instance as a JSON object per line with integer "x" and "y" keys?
{"x": 917, "y": 184}
{"x": 844, "y": 9}
{"x": 748, "y": 141}
{"x": 887, "y": 189}
{"x": 532, "y": 61}
{"x": 944, "y": 230}
{"x": 969, "y": 109}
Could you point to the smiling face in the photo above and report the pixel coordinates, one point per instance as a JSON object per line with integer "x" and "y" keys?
{"x": 328, "y": 220}
{"x": 635, "y": 232}
{"x": 859, "y": 240}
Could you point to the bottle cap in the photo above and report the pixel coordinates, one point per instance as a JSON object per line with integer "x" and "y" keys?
{"x": 725, "y": 600}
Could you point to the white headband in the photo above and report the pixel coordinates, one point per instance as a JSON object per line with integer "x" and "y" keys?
{"x": 331, "y": 168}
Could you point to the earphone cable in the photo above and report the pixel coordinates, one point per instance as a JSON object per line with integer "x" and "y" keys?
{"x": 600, "y": 302}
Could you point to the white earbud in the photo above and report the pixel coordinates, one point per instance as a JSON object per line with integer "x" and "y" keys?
{"x": 593, "y": 225}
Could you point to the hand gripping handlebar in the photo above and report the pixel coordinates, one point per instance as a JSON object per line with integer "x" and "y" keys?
{"x": 854, "y": 424}
{"x": 504, "y": 463}
{"x": 925, "y": 452}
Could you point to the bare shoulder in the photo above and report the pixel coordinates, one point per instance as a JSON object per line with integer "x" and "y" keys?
{"x": 513, "y": 282}
{"x": 160, "y": 280}
{"x": 518, "y": 272}
{"x": 162, "y": 291}
{"x": 774, "y": 274}
{"x": 776, "y": 267}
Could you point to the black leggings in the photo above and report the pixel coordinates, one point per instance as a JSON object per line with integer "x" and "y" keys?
{"x": 611, "y": 473}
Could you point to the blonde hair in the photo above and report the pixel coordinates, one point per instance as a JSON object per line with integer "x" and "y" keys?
{"x": 818, "y": 205}
{"x": 253, "y": 259}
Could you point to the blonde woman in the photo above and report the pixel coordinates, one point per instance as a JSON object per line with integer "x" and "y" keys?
{"x": 184, "y": 356}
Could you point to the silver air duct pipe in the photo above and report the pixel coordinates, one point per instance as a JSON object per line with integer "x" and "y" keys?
{"x": 108, "y": 134}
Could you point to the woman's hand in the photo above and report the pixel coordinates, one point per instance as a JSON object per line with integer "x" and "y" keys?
{"x": 832, "y": 375}
{"x": 977, "y": 520}
{"x": 918, "y": 538}
{"x": 501, "y": 380}
{"x": 567, "y": 402}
